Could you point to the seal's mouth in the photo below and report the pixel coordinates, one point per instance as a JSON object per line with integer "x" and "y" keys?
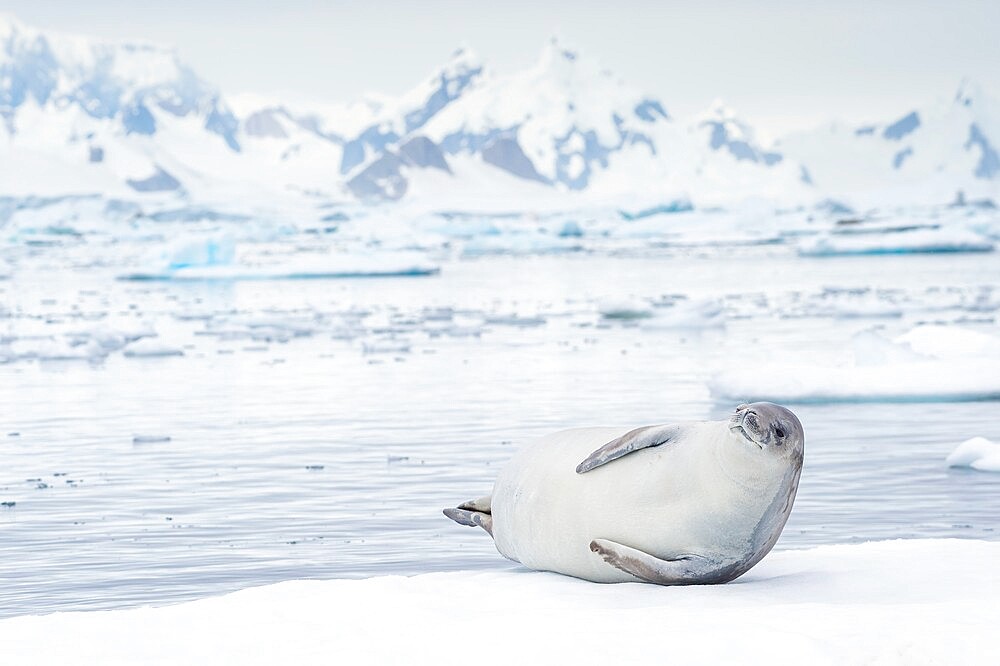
{"x": 745, "y": 421}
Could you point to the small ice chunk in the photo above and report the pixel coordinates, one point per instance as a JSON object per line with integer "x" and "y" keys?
{"x": 624, "y": 309}
{"x": 570, "y": 229}
{"x": 150, "y": 439}
{"x": 514, "y": 319}
{"x": 387, "y": 346}
{"x": 978, "y": 453}
{"x": 150, "y": 348}
{"x": 700, "y": 313}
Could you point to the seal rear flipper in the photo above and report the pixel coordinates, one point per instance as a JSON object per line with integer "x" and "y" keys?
{"x": 471, "y": 518}
{"x": 482, "y": 504}
{"x": 634, "y": 440}
{"x": 689, "y": 570}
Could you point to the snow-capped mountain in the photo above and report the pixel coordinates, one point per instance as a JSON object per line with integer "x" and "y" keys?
{"x": 82, "y": 115}
{"x": 71, "y": 96}
{"x": 569, "y": 125}
{"x": 941, "y": 149}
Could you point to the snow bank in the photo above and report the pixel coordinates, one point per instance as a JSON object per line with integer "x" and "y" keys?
{"x": 917, "y": 601}
{"x": 216, "y": 258}
{"x": 903, "y": 242}
{"x": 927, "y": 364}
{"x": 977, "y": 453}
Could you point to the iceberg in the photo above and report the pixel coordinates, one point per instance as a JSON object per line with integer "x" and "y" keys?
{"x": 977, "y": 453}
{"x": 903, "y": 242}
{"x": 677, "y": 206}
{"x": 865, "y": 603}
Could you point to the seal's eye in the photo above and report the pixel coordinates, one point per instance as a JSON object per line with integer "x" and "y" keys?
{"x": 779, "y": 432}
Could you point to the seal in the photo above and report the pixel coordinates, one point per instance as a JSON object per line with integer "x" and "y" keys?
{"x": 680, "y": 504}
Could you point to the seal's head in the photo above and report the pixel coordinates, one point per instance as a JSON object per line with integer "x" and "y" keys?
{"x": 770, "y": 427}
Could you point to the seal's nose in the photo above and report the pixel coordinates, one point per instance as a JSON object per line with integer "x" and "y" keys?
{"x": 750, "y": 419}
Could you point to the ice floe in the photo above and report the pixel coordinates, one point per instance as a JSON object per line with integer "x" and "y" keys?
{"x": 694, "y": 313}
{"x": 624, "y": 309}
{"x": 664, "y": 313}
{"x": 151, "y": 348}
{"x": 978, "y": 453}
{"x": 927, "y": 364}
{"x": 521, "y": 243}
{"x": 901, "y": 242}
{"x": 93, "y": 343}
{"x": 218, "y": 258}
{"x": 865, "y": 603}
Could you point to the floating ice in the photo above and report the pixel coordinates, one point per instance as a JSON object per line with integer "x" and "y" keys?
{"x": 866, "y": 603}
{"x": 951, "y": 342}
{"x": 151, "y": 348}
{"x": 904, "y": 242}
{"x": 216, "y": 258}
{"x": 513, "y": 319}
{"x": 977, "y": 453}
{"x": 624, "y": 309}
{"x": 209, "y": 251}
{"x": 387, "y": 346}
{"x": 570, "y": 229}
{"x": 53, "y": 349}
{"x": 924, "y": 365}
{"x": 698, "y": 313}
{"x": 150, "y": 439}
{"x": 677, "y": 206}
{"x": 520, "y": 243}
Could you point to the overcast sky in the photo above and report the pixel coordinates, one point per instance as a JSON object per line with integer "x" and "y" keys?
{"x": 781, "y": 64}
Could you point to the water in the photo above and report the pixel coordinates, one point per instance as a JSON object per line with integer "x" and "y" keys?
{"x": 317, "y": 428}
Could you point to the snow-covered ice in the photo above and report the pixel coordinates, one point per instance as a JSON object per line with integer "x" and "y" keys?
{"x": 218, "y": 258}
{"x": 626, "y": 309}
{"x": 892, "y": 602}
{"x": 151, "y": 347}
{"x": 903, "y": 242}
{"x": 977, "y": 453}
{"x": 927, "y": 364}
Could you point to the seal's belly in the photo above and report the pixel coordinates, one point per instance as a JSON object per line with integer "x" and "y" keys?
{"x": 667, "y": 501}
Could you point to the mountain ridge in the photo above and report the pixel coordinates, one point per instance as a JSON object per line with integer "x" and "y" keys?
{"x": 132, "y": 116}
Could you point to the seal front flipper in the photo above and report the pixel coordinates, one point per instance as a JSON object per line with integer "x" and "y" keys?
{"x": 640, "y": 438}
{"x": 688, "y": 570}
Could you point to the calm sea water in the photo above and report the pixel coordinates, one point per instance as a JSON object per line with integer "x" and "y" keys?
{"x": 317, "y": 428}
